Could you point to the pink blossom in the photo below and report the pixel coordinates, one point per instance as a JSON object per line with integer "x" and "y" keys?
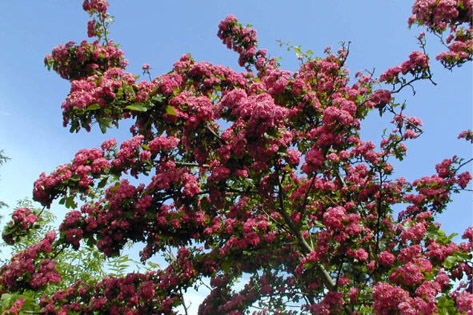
{"x": 314, "y": 160}
{"x": 334, "y": 218}
{"x": 388, "y": 298}
{"x": 464, "y": 302}
{"x": 360, "y": 254}
{"x": 95, "y": 5}
{"x": 466, "y": 134}
{"x": 16, "y": 308}
{"x": 381, "y": 97}
{"x": 386, "y": 258}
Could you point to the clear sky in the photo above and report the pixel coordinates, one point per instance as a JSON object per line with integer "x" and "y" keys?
{"x": 159, "y": 32}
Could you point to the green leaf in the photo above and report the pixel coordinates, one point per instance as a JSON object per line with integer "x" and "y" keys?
{"x": 6, "y": 299}
{"x": 152, "y": 265}
{"x": 159, "y": 98}
{"x": 226, "y": 266}
{"x": 445, "y": 306}
{"x": 104, "y": 123}
{"x": 91, "y": 242}
{"x": 137, "y": 108}
{"x": 102, "y": 182}
{"x": 103, "y": 128}
{"x": 170, "y": 110}
{"x": 70, "y": 202}
{"x": 450, "y": 261}
{"x": 452, "y": 236}
{"x": 93, "y": 107}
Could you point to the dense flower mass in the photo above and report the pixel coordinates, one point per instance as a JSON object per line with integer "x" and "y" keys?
{"x": 23, "y": 220}
{"x": 261, "y": 175}
{"x": 74, "y": 62}
{"x": 29, "y": 269}
{"x": 418, "y": 64}
{"x": 454, "y": 17}
{"x": 243, "y": 40}
{"x": 92, "y": 6}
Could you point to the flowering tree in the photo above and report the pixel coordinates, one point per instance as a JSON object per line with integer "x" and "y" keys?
{"x": 261, "y": 174}
{"x": 24, "y": 234}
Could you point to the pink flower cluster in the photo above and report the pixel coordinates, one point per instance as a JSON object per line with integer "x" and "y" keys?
{"x": 387, "y": 298}
{"x": 327, "y": 75}
{"x": 199, "y": 109}
{"x": 260, "y": 112}
{"x": 467, "y": 135}
{"x": 23, "y": 219}
{"x": 27, "y": 269}
{"x": 390, "y": 298}
{"x": 439, "y": 14}
{"x": 71, "y": 228}
{"x": 137, "y": 293}
{"x": 433, "y": 192}
{"x": 458, "y": 52}
{"x": 96, "y": 91}
{"x": 464, "y": 302}
{"x": 207, "y": 76}
{"x": 241, "y": 39}
{"x": 87, "y": 164}
{"x": 448, "y": 15}
{"x": 220, "y": 299}
{"x": 44, "y": 190}
{"x": 381, "y": 98}
{"x": 16, "y": 308}
{"x": 412, "y": 273}
{"x": 267, "y": 172}
{"x": 74, "y": 62}
{"x": 330, "y": 304}
{"x": 134, "y": 294}
{"x": 386, "y": 258}
{"x": 92, "y": 6}
{"x": 418, "y": 63}
{"x": 109, "y": 225}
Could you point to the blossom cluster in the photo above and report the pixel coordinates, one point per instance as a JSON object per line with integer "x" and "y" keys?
{"x": 433, "y": 192}
{"x": 23, "y": 219}
{"x": 74, "y": 62}
{"x": 418, "y": 64}
{"x": 16, "y": 308}
{"x": 86, "y": 164}
{"x": 467, "y": 135}
{"x": 29, "y": 269}
{"x": 95, "y": 93}
{"x": 241, "y": 39}
{"x": 453, "y": 16}
{"x": 92, "y": 6}
{"x": 261, "y": 173}
{"x": 129, "y": 295}
{"x": 136, "y": 293}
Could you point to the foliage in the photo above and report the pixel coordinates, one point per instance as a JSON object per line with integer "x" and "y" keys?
{"x": 260, "y": 175}
{"x": 3, "y": 158}
{"x": 86, "y": 263}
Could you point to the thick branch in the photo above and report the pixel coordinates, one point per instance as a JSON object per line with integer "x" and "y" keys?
{"x": 305, "y": 247}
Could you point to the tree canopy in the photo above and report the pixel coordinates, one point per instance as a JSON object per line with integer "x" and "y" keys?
{"x": 260, "y": 175}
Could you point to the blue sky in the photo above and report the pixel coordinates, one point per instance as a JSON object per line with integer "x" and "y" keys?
{"x": 159, "y": 32}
